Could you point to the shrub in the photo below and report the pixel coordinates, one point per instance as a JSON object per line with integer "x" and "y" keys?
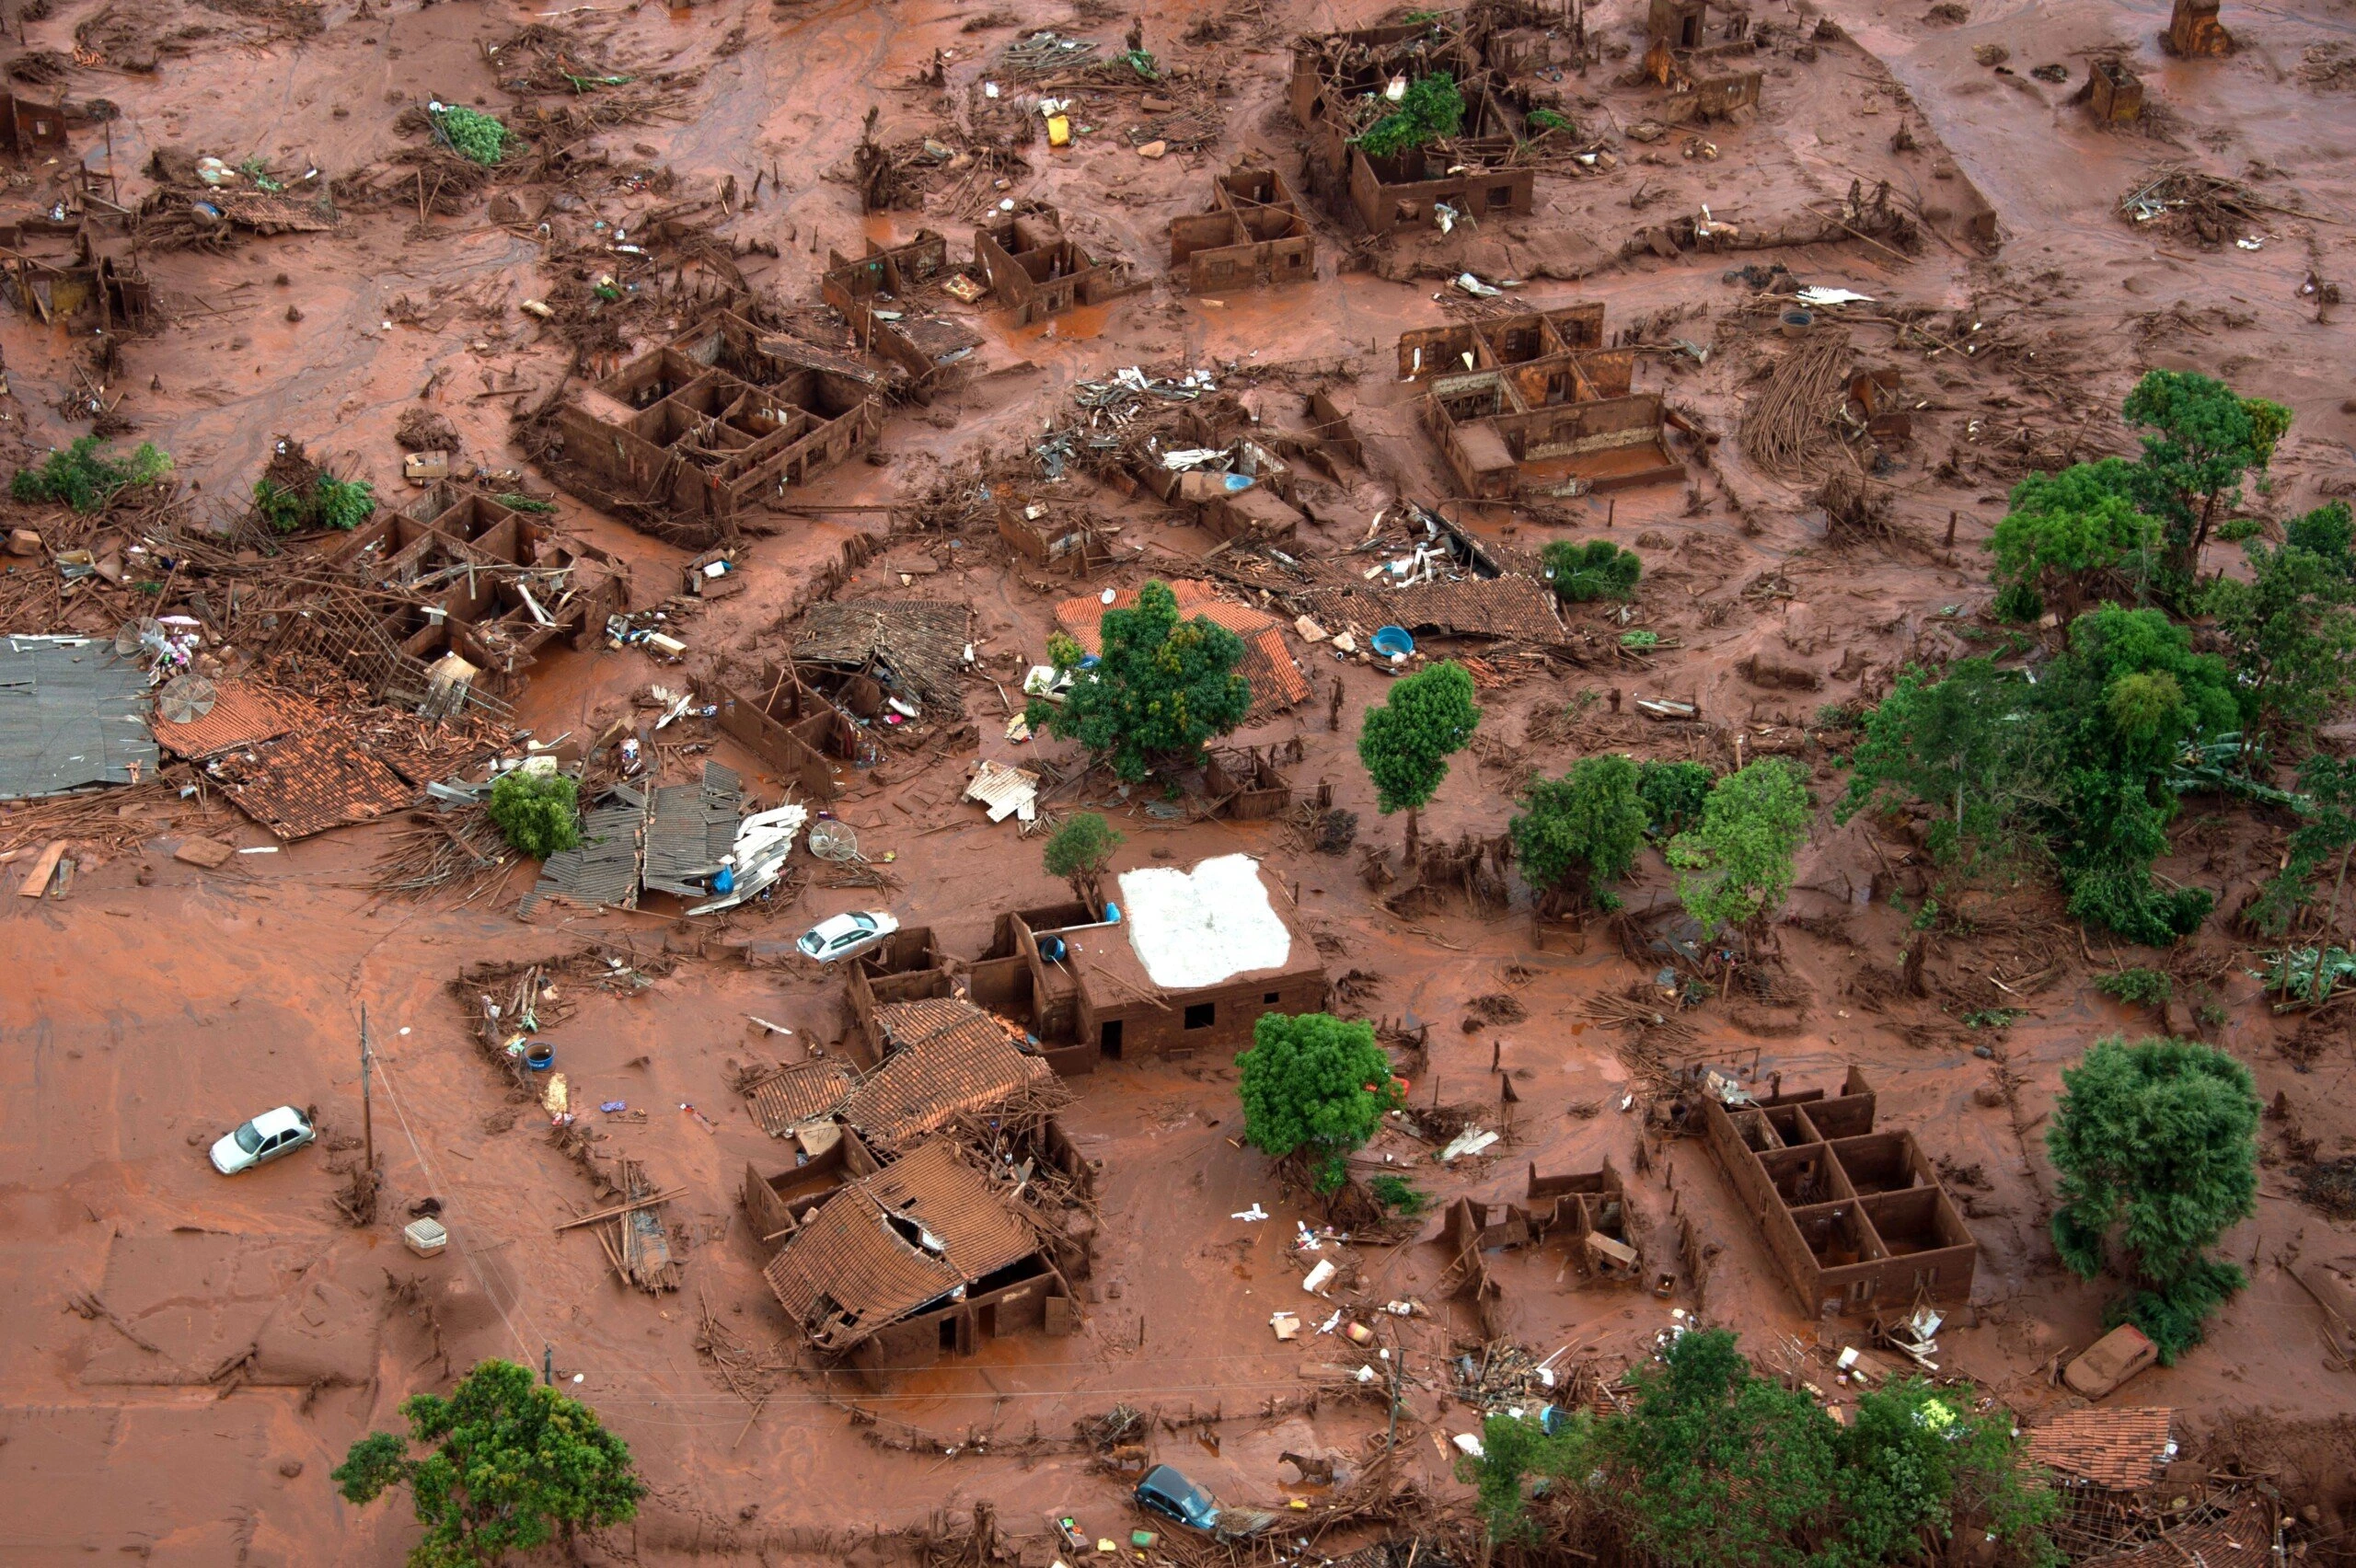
{"x": 2144, "y": 988}
{"x": 1399, "y": 1194}
{"x": 1584, "y": 828}
{"x": 1432, "y": 111}
{"x": 85, "y": 476}
{"x": 537, "y": 812}
{"x": 1078, "y": 852}
{"x": 1597, "y": 570}
{"x": 329, "y": 503}
{"x": 1738, "y": 861}
{"x": 1673, "y": 793}
{"x": 474, "y": 134}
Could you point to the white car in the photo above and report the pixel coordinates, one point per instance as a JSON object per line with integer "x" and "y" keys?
{"x": 843, "y": 934}
{"x": 263, "y": 1140}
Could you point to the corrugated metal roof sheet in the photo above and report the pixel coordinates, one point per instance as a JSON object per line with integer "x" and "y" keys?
{"x": 894, "y": 1243}
{"x": 244, "y": 713}
{"x": 73, "y": 712}
{"x": 947, "y": 1055}
{"x": 2118, "y": 1450}
{"x": 1007, "y": 791}
{"x": 606, "y": 869}
{"x": 806, "y": 1091}
{"x": 309, "y": 782}
{"x": 690, "y": 827}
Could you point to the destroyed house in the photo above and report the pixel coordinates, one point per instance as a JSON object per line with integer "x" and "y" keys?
{"x": 1856, "y": 1220}
{"x": 480, "y": 588}
{"x": 924, "y": 1257}
{"x": 1277, "y": 683}
{"x": 1587, "y": 1210}
{"x": 2105, "y": 1451}
{"x": 29, "y": 126}
{"x": 1704, "y": 80}
{"x": 1254, "y": 232}
{"x": 788, "y": 726}
{"x": 1192, "y": 960}
{"x": 1539, "y": 388}
{"x": 1212, "y": 460}
{"x": 829, "y": 1158}
{"x": 875, "y": 294}
{"x": 1339, "y": 83}
{"x": 1037, "y": 272}
{"x": 718, "y": 420}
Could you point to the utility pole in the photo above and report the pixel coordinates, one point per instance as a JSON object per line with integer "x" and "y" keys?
{"x": 367, "y": 1106}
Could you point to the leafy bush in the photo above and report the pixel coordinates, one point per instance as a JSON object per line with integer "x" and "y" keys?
{"x": 475, "y": 135}
{"x": 2144, "y": 988}
{"x": 1738, "y": 859}
{"x": 1162, "y": 689}
{"x": 2069, "y": 539}
{"x": 85, "y": 476}
{"x": 1544, "y": 120}
{"x": 537, "y": 812}
{"x": 1597, "y": 570}
{"x": 1583, "y": 829}
{"x": 330, "y": 502}
{"x": 1314, "y": 1084}
{"x": 2156, "y": 1144}
{"x": 1432, "y": 111}
{"x": 1673, "y": 794}
{"x": 514, "y": 1465}
{"x": 1399, "y": 1194}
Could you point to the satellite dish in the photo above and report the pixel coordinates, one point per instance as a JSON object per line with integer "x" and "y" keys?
{"x": 834, "y": 840}
{"x": 186, "y": 698}
{"x": 130, "y": 634}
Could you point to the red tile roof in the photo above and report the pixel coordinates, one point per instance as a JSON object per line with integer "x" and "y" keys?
{"x": 2118, "y": 1450}
{"x": 310, "y": 782}
{"x": 948, "y": 1056}
{"x": 802, "y": 1092}
{"x": 894, "y": 1243}
{"x": 244, "y": 713}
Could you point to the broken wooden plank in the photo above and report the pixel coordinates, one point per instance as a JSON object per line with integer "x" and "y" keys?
{"x": 619, "y": 1209}
{"x": 36, "y": 881}
{"x": 205, "y": 852}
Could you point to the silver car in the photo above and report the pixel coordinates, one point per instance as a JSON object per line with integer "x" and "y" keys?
{"x": 263, "y": 1140}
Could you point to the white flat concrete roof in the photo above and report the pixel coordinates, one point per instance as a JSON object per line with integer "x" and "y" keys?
{"x": 1202, "y": 926}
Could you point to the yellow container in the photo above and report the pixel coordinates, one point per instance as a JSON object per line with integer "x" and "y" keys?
{"x": 1059, "y": 131}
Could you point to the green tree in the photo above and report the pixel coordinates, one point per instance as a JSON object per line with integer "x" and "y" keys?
{"x": 1406, "y": 741}
{"x": 1968, "y": 746}
{"x": 1715, "y": 1465}
{"x": 1163, "y": 689}
{"x": 2069, "y": 539}
{"x": 2289, "y": 632}
{"x": 1737, "y": 862}
{"x": 1080, "y": 852}
{"x": 1597, "y": 570}
{"x": 1315, "y": 1085}
{"x": 2156, "y": 1144}
{"x": 514, "y": 1466}
{"x": 2119, "y": 705}
{"x": 1673, "y": 793}
{"x": 537, "y": 812}
{"x": 1581, "y": 833}
{"x": 2201, "y": 439}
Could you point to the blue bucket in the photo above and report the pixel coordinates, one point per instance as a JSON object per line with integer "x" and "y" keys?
{"x": 1393, "y": 642}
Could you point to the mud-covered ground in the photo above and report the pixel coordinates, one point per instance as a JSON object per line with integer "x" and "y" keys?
{"x": 159, "y": 1004}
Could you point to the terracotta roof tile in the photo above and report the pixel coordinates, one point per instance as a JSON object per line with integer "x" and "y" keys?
{"x": 244, "y": 713}
{"x": 894, "y": 1243}
{"x": 805, "y": 1091}
{"x": 2118, "y": 1450}
{"x": 309, "y": 782}
{"x": 947, "y": 1055}
{"x": 2243, "y": 1539}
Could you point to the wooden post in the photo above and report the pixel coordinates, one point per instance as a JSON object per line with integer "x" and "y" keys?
{"x": 1611, "y": 512}
{"x": 1950, "y": 528}
{"x": 367, "y": 1106}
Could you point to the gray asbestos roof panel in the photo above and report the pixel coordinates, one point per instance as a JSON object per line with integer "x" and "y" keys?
{"x": 73, "y": 713}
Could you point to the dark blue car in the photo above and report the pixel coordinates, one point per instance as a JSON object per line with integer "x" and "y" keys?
{"x": 1165, "y": 1491}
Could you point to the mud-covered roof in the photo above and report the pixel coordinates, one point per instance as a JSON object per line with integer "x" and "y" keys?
{"x": 2118, "y": 1450}
{"x": 806, "y": 1091}
{"x": 892, "y": 1243}
{"x": 947, "y": 1055}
